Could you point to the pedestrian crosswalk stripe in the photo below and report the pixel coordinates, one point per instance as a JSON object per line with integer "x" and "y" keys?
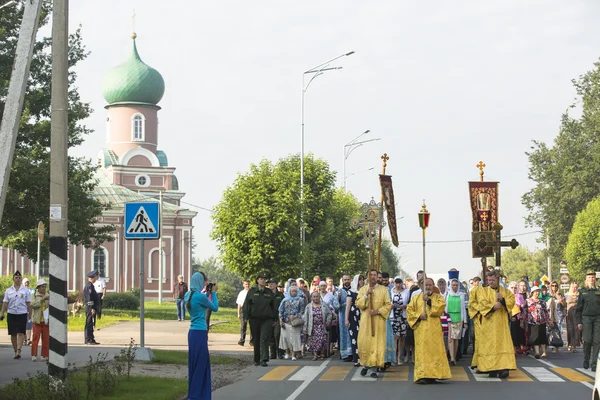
{"x": 483, "y": 377}
{"x": 335, "y": 374}
{"x": 542, "y": 374}
{"x": 358, "y": 377}
{"x": 586, "y": 372}
{"x": 396, "y": 374}
{"x": 572, "y": 375}
{"x": 306, "y": 373}
{"x": 279, "y": 373}
{"x": 459, "y": 374}
{"x": 404, "y": 373}
{"x": 518, "y": 376}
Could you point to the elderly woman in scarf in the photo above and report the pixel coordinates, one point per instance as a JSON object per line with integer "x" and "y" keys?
{"x": 456, "y": 308}
{"x": 199, "y": 386}
{"x": 517, "y": 323}
{"x": 290, "y": 320}
{"x": 352, "y": 320}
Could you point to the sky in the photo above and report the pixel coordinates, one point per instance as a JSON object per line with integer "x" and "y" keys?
{"x": 442, "y": 84}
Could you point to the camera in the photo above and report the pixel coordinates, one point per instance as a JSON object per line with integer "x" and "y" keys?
{"x": 209, "y": 287}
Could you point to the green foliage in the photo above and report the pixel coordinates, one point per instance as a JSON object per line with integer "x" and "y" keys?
{"x": 257, "y": 222}
{"x": 566, "y": 174}
{"x": 583, "y": 248}
{"x": 7, "y": 281}
{"x": 390, "y": 260}
{"x": 524, "y": 262}
{"x": 229, "y": 282}
{"x": 40, "y": 387}
{"x": 27, "y": 198}
{"x": 120, "y": 301}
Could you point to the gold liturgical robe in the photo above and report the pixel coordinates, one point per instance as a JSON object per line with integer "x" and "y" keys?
{"x": 371, "y": 348}
{"x": 496, "y": 352}
{"x": 430, "y": 352}
{"x": 476, "y": 318}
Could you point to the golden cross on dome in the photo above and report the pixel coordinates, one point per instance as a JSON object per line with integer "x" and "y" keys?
{"x": 133, "y": 34}
{"x": 481, "y": 166}
{"x": 385, "y": 159}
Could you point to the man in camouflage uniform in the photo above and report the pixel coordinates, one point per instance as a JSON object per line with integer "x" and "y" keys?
{"x": 259, "y": 309}
{"x": 587, "y": 314}
{"x": 276, "y": 333}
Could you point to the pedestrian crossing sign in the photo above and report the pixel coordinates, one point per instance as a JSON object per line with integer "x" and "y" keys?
{"x": 142, "y": 220}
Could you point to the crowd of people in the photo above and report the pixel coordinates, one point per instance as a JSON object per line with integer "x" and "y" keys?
{"x": 375, "y": 321}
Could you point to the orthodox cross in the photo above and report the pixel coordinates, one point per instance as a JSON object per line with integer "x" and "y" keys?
{"x": 385, "y": 159}
{"x": 481, "y": 166}
{"x": 497, "y": 244}
{"x": 133, "y": 34}
{"x": 369, "y": 221}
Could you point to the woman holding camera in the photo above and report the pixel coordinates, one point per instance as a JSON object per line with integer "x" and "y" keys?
{"x": 199, "y": 385}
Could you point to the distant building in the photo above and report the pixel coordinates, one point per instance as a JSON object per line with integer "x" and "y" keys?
{"x": 132, "y": 168}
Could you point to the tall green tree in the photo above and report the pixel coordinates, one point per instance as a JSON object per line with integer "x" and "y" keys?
{"x": 523, "y": 262}
{"x": 390, "y": 261}
{"x": 28, "y": 196}
{"x": 583, "y": 247}
{"x": 229, "y": 282}
{"x": 257, "y": 222}
{"x": 566, "y": 174}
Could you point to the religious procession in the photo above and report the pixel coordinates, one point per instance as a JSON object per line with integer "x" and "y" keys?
{"x": 376, "y": 321}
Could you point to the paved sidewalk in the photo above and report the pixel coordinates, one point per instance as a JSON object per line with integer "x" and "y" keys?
{"x": 165, "y": 335}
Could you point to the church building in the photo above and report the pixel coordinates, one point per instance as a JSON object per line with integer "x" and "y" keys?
{"x": 132, "y": 168}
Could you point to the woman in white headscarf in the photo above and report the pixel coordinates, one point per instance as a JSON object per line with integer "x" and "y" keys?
{"x": 290, "y": 320}
{"x": 353, "y": 315}
{"x": 456, "y": 308}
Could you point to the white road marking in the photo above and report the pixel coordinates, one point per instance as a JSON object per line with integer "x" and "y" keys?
{"x": 544, "y": 362}
{"x": 483, "y": 377}
{"x": 310, "y": 374}
{"x": 542, "y": 374}
{"x": 588, "y": 384}
{"x": 358, "y": 377}
{"x": 306, "y": 373}
{"x": 586, "y": 372}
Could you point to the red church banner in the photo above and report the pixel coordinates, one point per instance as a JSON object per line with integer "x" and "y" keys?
{"x": 483, "y": 197}
{"x": 387, "y": 193}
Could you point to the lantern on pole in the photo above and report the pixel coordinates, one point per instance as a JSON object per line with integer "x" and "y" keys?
{"x": 424, "y": 224}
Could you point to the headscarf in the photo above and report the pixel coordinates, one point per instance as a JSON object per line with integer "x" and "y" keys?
{"x": 354, "y": 284}
{"x": 450, "y": 292}
{"x": 288, "y": 296}
{"x": 196, "y": 285}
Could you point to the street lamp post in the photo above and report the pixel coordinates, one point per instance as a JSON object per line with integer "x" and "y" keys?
{"x": 346, "y": 177}
{"x": 315, "y": 72}
{"x": 424, "y": 224}
{"x": 351, "y": 146}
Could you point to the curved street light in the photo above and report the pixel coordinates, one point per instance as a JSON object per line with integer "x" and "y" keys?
{"x": 315, "y": 72}
{"x": 351, "y": 146}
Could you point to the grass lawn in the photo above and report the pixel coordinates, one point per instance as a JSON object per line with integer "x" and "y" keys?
{"x": 153, "y": 388}
{"x": 153, "y": 311}
{"x": 181, "y": 358}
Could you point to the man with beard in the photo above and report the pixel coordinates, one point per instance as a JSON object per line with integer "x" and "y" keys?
{"x": 375, "y": 305}
{"x": 430, "y": 354}
{"x": 344, "y": 338}
{"x": 492, "y": 306}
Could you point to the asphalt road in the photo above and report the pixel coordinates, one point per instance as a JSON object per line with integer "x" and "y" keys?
{"x": 559, "y": 376}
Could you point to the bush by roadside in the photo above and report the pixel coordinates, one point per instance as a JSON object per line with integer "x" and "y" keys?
{"x": 121, "y": 301}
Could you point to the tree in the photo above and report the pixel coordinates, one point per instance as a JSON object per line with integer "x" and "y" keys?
{"x": 583, "y": 248}
{"x": 523, "y": 262}
{"x": 28, "y": 196}
{"x": 390, "y": 261}
{"x": 566, "y": 174}
{"x": 257, "y": 222}
{"x": 230, "y": 283}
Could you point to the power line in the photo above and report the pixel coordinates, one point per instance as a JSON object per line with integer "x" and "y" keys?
{"x": 461, "y": 241}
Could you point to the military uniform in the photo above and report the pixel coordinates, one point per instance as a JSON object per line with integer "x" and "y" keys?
{"x": 259, "y": 309}
{"x": 587, "y": 314}
{"x": 276, "y": 334}
{"x": 91, "y": 301}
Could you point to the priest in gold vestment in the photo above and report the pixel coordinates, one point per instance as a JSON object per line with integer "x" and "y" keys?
{"x": 375, "y": 306}
{"x": 495, "y": 351}
{"x": 476, "y": 318}
{"x": 431, "y": 362}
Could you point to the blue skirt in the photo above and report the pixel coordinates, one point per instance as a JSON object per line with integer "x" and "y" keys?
{"x": 199, "y": 386}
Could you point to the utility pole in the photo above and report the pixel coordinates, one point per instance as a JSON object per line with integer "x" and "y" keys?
{"x": 160, "y": 251}
{"x": 16, "y": 92}
{"x": 57, "y": 366}
{"x": 549, "y": 258}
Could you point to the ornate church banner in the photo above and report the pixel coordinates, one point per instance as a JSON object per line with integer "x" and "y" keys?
{"x": 387, "y": 194}
{"x": 483, "y": 197}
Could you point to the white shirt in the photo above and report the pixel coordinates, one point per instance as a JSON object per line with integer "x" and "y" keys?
{"x": 100, "y": 285}
{"x": 241, "y": 297}
{"x": 17, "y": 299}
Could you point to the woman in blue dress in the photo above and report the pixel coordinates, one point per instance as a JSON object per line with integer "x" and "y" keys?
{"x": 199, "y": 384}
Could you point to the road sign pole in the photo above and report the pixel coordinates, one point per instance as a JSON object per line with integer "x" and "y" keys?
{"x": 142, "y": 293}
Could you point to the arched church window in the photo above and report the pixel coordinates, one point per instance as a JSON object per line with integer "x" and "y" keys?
{"x": 138, "y": 127}
{"x": 100, "y": 259}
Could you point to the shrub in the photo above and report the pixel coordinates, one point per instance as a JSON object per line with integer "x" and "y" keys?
{"x": 73, "y": 296}
{"x": 40, "y": 387}
{"x": 120, "y": 301}
{"x": 135, "y": 292}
